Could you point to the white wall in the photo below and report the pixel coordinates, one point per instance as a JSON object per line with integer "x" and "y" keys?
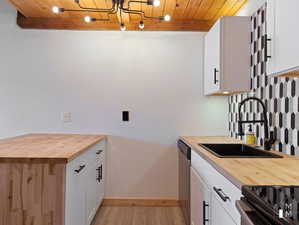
{"x": 95, "y": 75}
{"x": 251, "y": 7}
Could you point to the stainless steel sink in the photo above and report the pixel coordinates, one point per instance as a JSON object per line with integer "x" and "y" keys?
{"x": 237, "y": 151}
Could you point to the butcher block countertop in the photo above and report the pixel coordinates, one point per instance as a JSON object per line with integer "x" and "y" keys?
{"x": 249, "y": 171}
{"x": 62, "y": 147}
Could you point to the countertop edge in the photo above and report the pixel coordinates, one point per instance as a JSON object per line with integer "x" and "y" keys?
{"x": 63, "y": 159}
{"x": 101, "y": 137}
{"x": 221, "y": 170}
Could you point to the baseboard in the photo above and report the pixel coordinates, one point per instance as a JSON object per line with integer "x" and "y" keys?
{"x": 140, "y": 202}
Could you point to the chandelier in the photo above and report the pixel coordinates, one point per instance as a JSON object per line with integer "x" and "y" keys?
{"x": 119, "y": 8}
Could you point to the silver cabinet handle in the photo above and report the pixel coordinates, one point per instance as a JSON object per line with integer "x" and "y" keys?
{"x": 220, "y": 193}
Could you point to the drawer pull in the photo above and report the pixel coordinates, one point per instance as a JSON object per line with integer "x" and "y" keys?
{"x": 204, "y": 205}
{"x": 220, "y": 193}
{"x": 100, "y": 173}
{"x": 266, "y": 47}
{"x": 215, "y": 76}
{"x": 80, "y": 169}
{"x": 99, "y": 152}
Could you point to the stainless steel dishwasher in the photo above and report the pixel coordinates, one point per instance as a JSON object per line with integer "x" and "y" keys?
{"x": 184, "y": 179}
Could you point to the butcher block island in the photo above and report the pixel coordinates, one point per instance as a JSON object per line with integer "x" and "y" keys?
{"x": 51, "y": 179}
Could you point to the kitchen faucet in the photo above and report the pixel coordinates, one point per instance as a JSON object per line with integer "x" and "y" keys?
{"x": 268, "y": 142}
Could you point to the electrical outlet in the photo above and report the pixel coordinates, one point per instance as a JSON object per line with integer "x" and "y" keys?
{"x": 67, "y": 117}
{"x": 125, "y": 116}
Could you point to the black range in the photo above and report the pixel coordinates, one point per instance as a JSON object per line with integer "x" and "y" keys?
{"x": 269, "y": 205}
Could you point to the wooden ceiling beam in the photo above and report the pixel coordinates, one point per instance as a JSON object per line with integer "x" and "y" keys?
{"x": 78, "y": 24}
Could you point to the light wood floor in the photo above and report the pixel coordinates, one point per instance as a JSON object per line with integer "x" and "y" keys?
{"x": 136, "y": 215}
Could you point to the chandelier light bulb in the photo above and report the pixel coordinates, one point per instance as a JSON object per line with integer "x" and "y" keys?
{"x": 167, "y": 18}
{"x": 156, "y": 3}
{"x": 123, "y": 27}
{"x": 55, "y": 9}
{"x": 87, "y": 19}
{"x": 141, "y": 25}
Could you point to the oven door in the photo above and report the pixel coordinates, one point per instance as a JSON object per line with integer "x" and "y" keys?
{"x": 251, "y": 216}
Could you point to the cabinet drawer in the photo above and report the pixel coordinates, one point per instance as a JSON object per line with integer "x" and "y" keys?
{"x": 95, "y": 152}
{"x": 90, "y": 156}
{"x": 225, "y": 192}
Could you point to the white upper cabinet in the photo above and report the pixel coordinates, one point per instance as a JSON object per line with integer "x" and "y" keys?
{"x": 282, "y": 37}
{"x": 227, "y": 56}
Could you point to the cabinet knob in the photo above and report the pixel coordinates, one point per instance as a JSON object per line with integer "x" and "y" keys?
{"x": 80, "y": 169}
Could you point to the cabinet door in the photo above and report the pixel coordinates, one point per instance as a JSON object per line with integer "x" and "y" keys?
{"x": 75, "y": 213}
{"x": 100, "y": 188}
{"x": 212, "y": 67}
{"x": 286, "y": 34}
{"x": 270, "y": 38}
{"x": 282, "y": 21}
{"x": 200, "y": 200}
{"x": 219, "y": 216}
{"x": 95, "y": 186}
{"x": 91, "y": 195}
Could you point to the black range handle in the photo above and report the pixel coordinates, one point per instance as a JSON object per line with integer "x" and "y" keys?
{"x": 204, "y": 205}
{"x": 215, "y": 76}
{"x": 266, "y": 48}
{"x": 221, "y": 194}
{"x": 99, "y": 152}
{"x": 80, "y": 168}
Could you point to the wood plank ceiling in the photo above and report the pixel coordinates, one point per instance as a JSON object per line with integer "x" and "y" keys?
{"x": 187, "y": 15}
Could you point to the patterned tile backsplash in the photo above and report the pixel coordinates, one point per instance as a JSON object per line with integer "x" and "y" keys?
{"x": 280, "y": 95}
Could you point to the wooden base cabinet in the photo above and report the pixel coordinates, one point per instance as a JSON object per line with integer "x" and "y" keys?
{"x": 51, "y": 191}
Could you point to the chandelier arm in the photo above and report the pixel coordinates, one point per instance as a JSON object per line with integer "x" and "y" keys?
{"x": 129, "y": 2}
{"x": 98, "y": 9}
{"x": 108, "y": 14}
{"x": 127, "y": 10}
{"x": 137, "y": 13}
{"x": 95, "y": 19}
{"x": 153, "y": 17}
{"x": 85, "y": 10}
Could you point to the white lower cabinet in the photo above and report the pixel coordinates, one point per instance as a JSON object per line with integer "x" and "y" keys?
{"x": 219, "y": 216}
{"x": 200, "y": 200}
{"x": 75, "y": 213}
{"x": 85, "y": 185}
{"x": 95, "y": 188}
{"x": 211, "y": 189}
